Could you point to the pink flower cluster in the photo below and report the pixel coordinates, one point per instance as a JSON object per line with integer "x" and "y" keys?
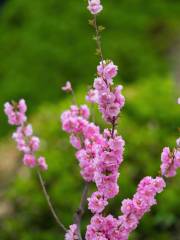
{"x": 109, "y": 98}
{"x": 16, "y": 112}
{"x": 94, "y": 6}
{"x": 108, "y": 159}
{"x": 170, "y": 161}
{"x": 99, "y": 155}
{"x": 82, "y": 133}
{"x": 108, "y": 227}
{"x": 26, "y": 142}
{"x": 72, "y": 233}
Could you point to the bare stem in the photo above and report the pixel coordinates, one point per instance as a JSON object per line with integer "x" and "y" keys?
{"x": 74, "y": 100}
{"x": 80, "y": 211}
{"x": 60, "y": 224}
{"x": 113, "y": 127}
{"x": 98, "y": 40}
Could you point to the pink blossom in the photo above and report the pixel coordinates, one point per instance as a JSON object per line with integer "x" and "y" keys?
{"x": 22, "y": 106}
{"x": 42, "y": 163}
{"x": 107, "y": 70}
{"x": 100, "y": 85}
{"x": 26, "y": 142}
{"x": 97, "y": 202}
{"x": 177, "y": 158}
{"x": 168, "y": 168}
{"x": 29, "y": 160}
{"x": 67, "y": 87}
{"x": 16, "y": 112}
{"x": 27, "y": 130}
{"x": 127, "y": 206}
{"x": 110, "y": 100}
{"x": 71, "y": 234}
{"x": 94, "y": 6}
{"x": 34, "y": 143}
{"x": 84, "y": 111}
{"x": 159, "y": 184}
{"x": 112, "y": 110}
{"x": 133, "y": 210}
{"x": 118, "y": 96}
{"x": 106, "y": 98}
{"x": 75, "y": 141}
{"x": 92, "y": 96}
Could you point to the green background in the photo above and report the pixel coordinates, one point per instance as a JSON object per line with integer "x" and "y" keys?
{"x": 45, "y": 43}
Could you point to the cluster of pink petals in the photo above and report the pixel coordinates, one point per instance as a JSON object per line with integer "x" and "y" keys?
{"x": 170, "y": 161}
{"x": 94, "y": 6}
{"x": 92, "y": 96}
{"x": 16, "y": 112}
{"x": 72, "y": 233}
{"x": 108, "y": 159}
{"x": 23, "y": 136}
{"x": 84, "y": 136}
{"x": 108, "y": 227}
{"x": 134, "y": 209}
{"x": 67, "y": 87}
{"x": 99, "y": 155}
{"x": 109, "y": 98}
{"x": 75, "y": 122}
{"x": 97, "y": 202}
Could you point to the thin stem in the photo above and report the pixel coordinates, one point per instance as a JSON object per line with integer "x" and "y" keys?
{"x": 80, "y": 211}
{"x": 93, "y": 112}
{"x": 98, "y": 41}
{"x": 61, "y": 225}
{"x": 113, "y": 127}
{"x": 74, "y": 100}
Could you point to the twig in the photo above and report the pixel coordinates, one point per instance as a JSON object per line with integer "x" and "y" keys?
{"x": 80, "y": 211}
{"x": 113, "y": 127}
{"x": 74, "y": 100}
{"x": 61, "y": 225}
{"x": 98, "y": 39}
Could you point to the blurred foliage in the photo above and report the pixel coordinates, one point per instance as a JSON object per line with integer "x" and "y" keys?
{"x": 45, "y": 43}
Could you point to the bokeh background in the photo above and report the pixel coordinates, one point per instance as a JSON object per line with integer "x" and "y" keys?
{"x": 45, "y": 43}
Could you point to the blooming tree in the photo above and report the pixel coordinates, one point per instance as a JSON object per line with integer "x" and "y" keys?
{"x": 99, "y": 153}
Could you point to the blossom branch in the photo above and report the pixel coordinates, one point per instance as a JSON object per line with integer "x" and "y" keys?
{"x": 100, "y": 52}
{"x": 60, "y": 224}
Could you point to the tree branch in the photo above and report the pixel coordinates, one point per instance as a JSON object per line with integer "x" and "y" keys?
{"x": 60, "y": 224}
{"x": 80, "y": 211}
{"x": 113, "y": 127}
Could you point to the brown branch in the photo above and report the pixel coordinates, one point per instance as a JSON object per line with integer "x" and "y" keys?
{"x": 60, "y": 224}
{"x": 113, "y": 127}
{"x": 80, "y": 211}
